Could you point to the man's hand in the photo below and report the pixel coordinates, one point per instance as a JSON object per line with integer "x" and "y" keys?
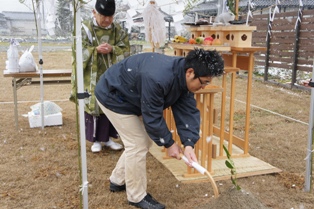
{"x": 174, "y": 151}
{"x": 104, "y": 48}
{"x": 190, "y": 155}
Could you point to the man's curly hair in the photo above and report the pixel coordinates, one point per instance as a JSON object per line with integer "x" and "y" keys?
{"x": 206, "y": 63}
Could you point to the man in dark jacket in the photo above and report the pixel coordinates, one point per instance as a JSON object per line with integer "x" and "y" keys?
{"x": 133, "y": 94}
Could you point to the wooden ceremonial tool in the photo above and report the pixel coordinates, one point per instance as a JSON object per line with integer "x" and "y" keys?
{"x": 203, "y": 171}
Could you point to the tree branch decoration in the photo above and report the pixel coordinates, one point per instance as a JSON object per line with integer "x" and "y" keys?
{"x": 230, "y": 164}
{"x": 298, "y": 22}
{"x": 231, "y": 6}
{"x": 188, "y": 5}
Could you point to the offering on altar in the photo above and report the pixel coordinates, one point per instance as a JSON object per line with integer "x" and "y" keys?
{"x": 224, "y": 18}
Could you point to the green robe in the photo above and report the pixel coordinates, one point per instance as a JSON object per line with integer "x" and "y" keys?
{"x": 94, "y": 64}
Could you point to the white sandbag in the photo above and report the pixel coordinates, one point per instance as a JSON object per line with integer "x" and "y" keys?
{"x": 13, "y": 57}
{"x": 49, "y": 108}
{"x": 27, "y": 62}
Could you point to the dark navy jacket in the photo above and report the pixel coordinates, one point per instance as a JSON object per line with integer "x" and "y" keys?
{"x": 146, "y": 84}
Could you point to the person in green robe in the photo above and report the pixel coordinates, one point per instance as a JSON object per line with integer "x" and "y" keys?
{"x": 104, "y": 43}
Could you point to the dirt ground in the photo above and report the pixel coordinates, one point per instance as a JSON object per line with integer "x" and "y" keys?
{"x": 40, "y": 168}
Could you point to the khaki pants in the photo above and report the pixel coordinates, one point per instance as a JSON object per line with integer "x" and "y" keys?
{"x": 131, "y": 167}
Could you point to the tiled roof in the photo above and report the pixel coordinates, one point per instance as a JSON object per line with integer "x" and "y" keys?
{"x": 266, "y": 3}
{"x": 212, "y": 5}
{"x": 166, "y": 15}
{"x": 205, "y": 6}
{"x": 2, "y": 18}
{"x": 19, "y": 15}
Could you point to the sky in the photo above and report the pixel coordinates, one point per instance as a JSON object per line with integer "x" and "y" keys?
{"x": 12, "y": 5}
{"x": 15, "y": 5}
{"x": 168, "y": 6}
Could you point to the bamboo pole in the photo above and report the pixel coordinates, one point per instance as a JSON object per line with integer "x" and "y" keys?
{"x": 309, "y": 158}
{"x": 236, "y": 9}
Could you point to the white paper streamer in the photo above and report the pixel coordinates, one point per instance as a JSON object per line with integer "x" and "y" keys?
{"x": 311, "y": 151}
{"x": 249, "y": 14}
{"x": 83, "y": 186}
{"x": 269, "y": 25}
{"x": 275, "y": 10}
{"x": 272, "y": 17}
{"x": 226, "y": 7}
{"x": 299, "y": 14}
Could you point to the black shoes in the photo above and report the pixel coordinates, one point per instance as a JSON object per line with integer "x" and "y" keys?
{"x": 148, "y": 203}
{"x": 116, "y": 188}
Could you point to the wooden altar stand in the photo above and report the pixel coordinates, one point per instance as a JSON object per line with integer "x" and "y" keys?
{"x": 238, "y": 54}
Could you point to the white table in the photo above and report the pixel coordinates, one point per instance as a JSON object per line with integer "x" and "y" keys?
{"x": 21, "y": 79}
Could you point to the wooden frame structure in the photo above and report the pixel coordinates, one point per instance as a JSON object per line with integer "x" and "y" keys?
{"x": 236, "y": 57}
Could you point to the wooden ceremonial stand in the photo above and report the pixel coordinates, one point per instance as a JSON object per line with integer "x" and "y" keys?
{"x": 238, "y": 54}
